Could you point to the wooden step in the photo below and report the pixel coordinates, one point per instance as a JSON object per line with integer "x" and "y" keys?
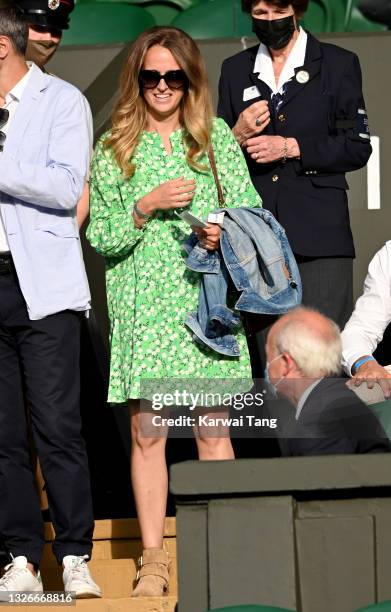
{"x": 110, "y": 549}
{"x": 142, "y": 604}
{"x": 113, "y": 566}
{"x": 118, "y": 529}
{"x": 117, "y": 547}
{"x": 114, "y": 576}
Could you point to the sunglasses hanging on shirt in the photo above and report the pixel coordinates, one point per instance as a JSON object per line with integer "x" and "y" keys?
{"x": 174, "y": 79}
{"x": 4, "y": 116}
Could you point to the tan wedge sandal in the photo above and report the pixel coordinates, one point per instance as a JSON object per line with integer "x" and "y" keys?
{"x": 152, "y": 575}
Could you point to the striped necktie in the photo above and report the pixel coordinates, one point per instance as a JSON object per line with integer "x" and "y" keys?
{"x": 278, "y": 98}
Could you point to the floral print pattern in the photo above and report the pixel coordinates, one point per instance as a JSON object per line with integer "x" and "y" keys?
{"x": 149, "y": 289}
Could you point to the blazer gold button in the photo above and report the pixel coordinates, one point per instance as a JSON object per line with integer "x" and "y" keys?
{"x": 275, "y": 178}
{"x": 281, "y": 117}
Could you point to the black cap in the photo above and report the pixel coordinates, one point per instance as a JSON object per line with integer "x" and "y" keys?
{"x": 47, "y": 13}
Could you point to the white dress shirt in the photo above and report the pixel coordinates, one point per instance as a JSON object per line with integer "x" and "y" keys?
{"x": 12, "y": 100}
{"x": 372, "y": 312}
{"x": 264, "y": 65}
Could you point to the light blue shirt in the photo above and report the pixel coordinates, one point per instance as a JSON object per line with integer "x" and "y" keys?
{"x": 43, "y": 169}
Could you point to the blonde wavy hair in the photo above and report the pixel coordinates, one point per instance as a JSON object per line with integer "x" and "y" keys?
{"x": 130, "y": 113}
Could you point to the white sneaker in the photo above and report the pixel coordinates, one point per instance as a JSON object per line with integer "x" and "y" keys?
{"x": 18, "y": 578}
{"x": 77, "y": 578}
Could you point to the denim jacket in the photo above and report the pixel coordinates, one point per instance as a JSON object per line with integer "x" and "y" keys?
{"x": 256, "y": 258}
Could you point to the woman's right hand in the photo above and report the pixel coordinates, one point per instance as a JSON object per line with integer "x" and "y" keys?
{"x": 176, "y": 193}
{"x": 246, "y": 125}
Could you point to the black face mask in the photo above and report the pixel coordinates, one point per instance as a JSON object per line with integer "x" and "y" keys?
{"x": 276, "y": 33}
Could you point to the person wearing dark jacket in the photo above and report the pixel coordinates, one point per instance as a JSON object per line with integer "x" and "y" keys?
{"x": 304, "y": 356}
{"x": 296, "y": 107}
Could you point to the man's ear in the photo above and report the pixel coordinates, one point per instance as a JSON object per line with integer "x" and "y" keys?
{"x": 5, "y": 45}
{"x": 288, "y": 364}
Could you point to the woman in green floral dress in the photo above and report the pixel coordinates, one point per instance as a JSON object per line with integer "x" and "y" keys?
{"x": 153, "y": 163}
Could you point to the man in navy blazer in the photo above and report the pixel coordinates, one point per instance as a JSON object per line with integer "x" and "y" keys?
{"x": 45, "y": 145}
{"x": 304, "y": 353}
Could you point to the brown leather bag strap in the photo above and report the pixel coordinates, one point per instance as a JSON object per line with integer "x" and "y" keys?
{"x": 212, "y": 161}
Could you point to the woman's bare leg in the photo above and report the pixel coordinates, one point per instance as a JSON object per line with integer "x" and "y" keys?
{"x": 214, "y": 443}
{"x": 149, "y": 479}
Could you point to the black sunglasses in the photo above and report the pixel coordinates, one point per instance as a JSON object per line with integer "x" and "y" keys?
{"x": 4, "y": 116}
{"x": 174, "y": 79}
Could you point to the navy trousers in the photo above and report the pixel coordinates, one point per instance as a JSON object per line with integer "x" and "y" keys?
{"x": 39, "y": 367}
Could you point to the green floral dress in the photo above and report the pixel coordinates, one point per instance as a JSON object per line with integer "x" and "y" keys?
{"x": 149, "y": 289}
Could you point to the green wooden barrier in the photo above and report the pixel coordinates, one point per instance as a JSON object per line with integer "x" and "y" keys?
{"x": 307, "y": 533}
{"x": 251, "y": 609}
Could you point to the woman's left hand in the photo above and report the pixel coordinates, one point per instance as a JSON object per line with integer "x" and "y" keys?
{"x": 265, "y": 149}
{"x": 209, "y": 236}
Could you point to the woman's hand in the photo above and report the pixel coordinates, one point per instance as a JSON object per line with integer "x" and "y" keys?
{"x": 209, "y": 236}
{"x": 252, "y": 121}
{"x": 177, "y": 193}
{"x": 267, "y": 149}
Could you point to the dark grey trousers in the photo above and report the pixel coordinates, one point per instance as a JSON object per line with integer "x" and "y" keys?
{"x": 327, "y": 286}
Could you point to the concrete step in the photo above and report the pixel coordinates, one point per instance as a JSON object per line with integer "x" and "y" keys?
{"x": 142, "y": 604}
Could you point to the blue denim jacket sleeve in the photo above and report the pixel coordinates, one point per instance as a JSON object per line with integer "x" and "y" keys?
{"x": 260, "y": 262}
{"x": 213, "y": 323}
{"x": 256, "y": 256}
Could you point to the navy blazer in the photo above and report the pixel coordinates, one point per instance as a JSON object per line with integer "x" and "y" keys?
{"x": 334, "y": 421}
{"x": 325, "y": 115}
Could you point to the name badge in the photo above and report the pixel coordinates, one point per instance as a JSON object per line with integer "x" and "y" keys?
{"x": 250, "y": 93}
